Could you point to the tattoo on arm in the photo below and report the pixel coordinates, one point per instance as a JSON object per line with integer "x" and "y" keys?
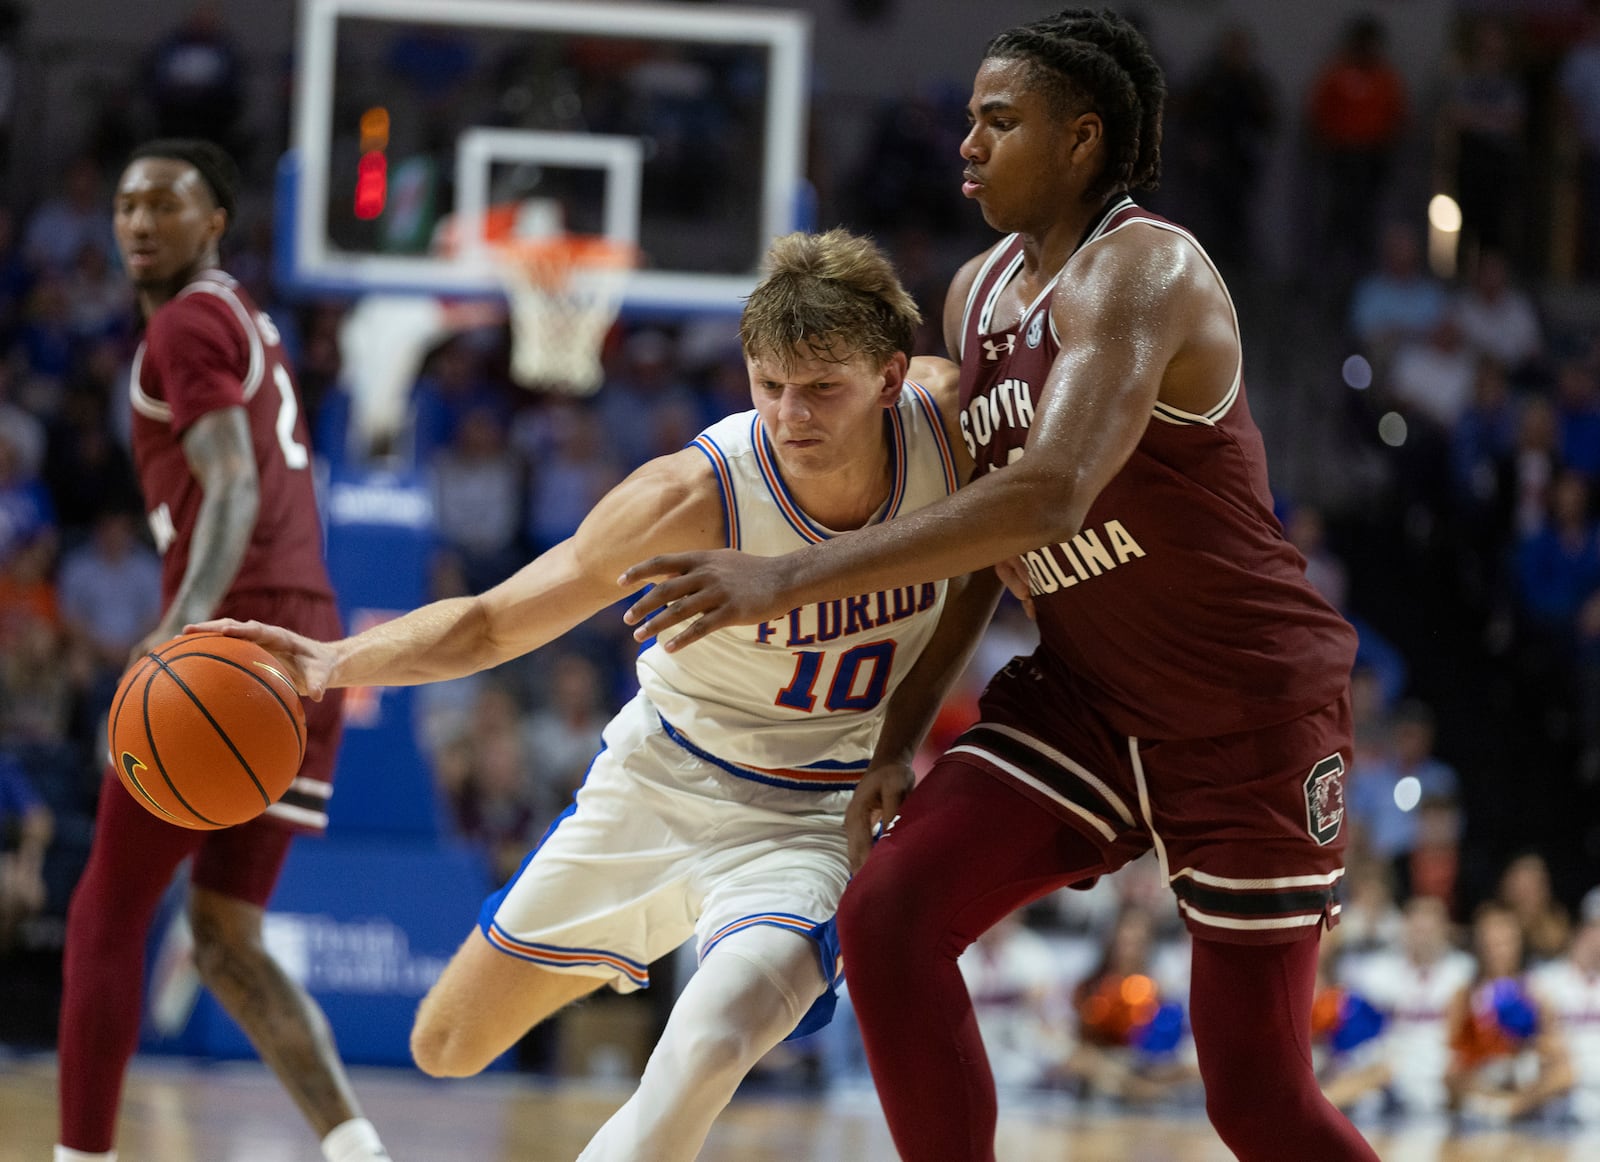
{"x": 221, "y": 456}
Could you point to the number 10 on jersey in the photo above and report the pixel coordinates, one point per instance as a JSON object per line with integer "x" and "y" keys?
{"x": 847, "y": 689}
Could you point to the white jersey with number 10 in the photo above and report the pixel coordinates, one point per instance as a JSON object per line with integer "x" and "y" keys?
{"x": 798, "y": 701}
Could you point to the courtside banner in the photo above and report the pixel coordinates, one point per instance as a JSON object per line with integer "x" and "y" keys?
{"x": 365, "y": 926}
{"x": 381, "y": 543}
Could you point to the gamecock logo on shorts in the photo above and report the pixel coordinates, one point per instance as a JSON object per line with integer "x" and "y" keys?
{"x": 1325, "y": 799}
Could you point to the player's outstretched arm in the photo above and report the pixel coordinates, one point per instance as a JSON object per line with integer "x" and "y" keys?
{"x": 1124, "y": 319}
{"x": 669, "y": 505}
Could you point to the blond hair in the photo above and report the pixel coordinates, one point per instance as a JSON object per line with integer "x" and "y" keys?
{"x": 835, "y": 294}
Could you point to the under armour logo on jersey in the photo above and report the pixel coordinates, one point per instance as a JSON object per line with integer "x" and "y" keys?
{"x": 995, "y": 349}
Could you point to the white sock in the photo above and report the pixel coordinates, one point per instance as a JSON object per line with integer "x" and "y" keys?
{"x": 65, "y": 1155}
{"x": 354, "y": 1141}
{"x": 744, "y": 999}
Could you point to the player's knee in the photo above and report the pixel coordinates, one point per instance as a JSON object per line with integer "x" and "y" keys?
{"x": 222, "y": 953}
{"x": 1234, "y": 1106}
{"x": 708, "y": 1054}
{"x": 441, "y": 1049}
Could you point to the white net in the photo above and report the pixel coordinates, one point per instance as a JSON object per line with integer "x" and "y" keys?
{"x": 564, "y": 295}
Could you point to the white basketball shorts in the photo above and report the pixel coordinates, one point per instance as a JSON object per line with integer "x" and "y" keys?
{"x": 661, "y": 845}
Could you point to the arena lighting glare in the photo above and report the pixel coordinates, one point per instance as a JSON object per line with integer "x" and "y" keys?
{"x": 1408, "y": 793}
{"x": 1444, "y": 214}
{"x": 1392, "y": 429}
{"x": 1444, "y": 234}
{"x": 1357, "y": 373}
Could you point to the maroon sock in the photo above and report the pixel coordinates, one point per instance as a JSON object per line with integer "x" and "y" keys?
{"x": 130, "y": 865}
{"x": 1250, "y": 1007}
{"x": 967, "y": 850}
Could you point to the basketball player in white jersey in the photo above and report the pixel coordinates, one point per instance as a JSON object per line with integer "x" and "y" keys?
{"x": 1570, "y": 987}
{"x": 716, "y": 807}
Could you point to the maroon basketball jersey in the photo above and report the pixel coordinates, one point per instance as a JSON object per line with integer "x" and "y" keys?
{"x": 210, "y": 347}
{"x": 1179, "y": 610}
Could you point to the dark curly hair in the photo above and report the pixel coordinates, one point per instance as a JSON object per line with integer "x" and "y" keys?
{"x": 1097, "y": 61}
{"x": 213, "y": 163}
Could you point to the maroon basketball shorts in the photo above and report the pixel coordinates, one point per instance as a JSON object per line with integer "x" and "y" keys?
{"x": 243, "y": 862}
{"x": 1248, "y": 827}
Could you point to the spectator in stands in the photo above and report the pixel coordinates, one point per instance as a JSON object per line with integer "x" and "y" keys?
{"x": 26, "y": 511}
{"x": 1570, "y": 987}
{"x": 1399, "y": 300}
{"x": 1580, "y": 91}
{"x": 195, "y": 79}
{"x": 490, "y": 785}
{"x": 1508, "y": 1058}
{"x": 100, "y": 299}
{"x": 451, "y": 385}
{"x": 27, "y": 593}
{"x": 47, "y": 340}
{"x": 25, "y": 431}
{"x": 1371, "y": 701}
{"x": 1229, "y": 116}
{"x": 578, "y": 467}
{"x": 1357, "y": 115}
{"x": 647, "y": 380}
{"x": 1484, "y": 115}
{"x": 1486, "y": 434}
{"x": 1011, "y": 972}
{"x": 110, "y": 590}
{"x": 1369, "y": 919}
{"x": 563, "y": 736}
{"x": 1558, "y": 564}
{"x": 40, "y": 681}
{"x": 1525, "y": 892}
{"x": 1498, "y": 318}
{"x": 1432, "y": 378}
{"x": 16, "y": 278}
{"x": 1529, "y": 474}
{"x": 1435, "y": 863}
{"x": 478, "y": 485}
{"x": 1382, "y": 798}
{"x": 26, "y": 826}
{"x": 1413, "y": 984}
{"x": 1116, "y": 1004}
{"x": 86, "y": 468}
{"x": 74, "y": 218}
{"x": 1578, "y": 401}
{"x": 1344, "y": 1026}
{"x": 1307, "y": 531}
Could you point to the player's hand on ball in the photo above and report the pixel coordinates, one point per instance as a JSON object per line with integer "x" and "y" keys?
{"x": 876, "y": 802}
{"x": 306, "y": 663}
{"x": 718, "y": 588}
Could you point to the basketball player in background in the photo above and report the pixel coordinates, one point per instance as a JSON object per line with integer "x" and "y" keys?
{"x": 1190, "y": 693}
{"x": 716, "y": 808}
{"x": 224, "y": 466}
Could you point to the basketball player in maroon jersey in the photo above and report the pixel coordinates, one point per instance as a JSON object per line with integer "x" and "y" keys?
{"x": 225, "y": 469}
{"x": 1190, "y": 693}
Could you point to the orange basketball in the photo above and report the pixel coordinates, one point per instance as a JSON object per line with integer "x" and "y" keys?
{"x": 206, "y": 731}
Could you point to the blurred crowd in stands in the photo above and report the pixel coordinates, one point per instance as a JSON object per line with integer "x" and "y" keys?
{"x": 1453, "y": 378}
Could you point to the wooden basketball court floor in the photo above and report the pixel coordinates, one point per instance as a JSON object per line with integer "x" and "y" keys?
{"x": 177, "y": 1111}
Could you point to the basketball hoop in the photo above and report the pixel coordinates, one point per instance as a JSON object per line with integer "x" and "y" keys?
{"x": 565, "y": 291}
